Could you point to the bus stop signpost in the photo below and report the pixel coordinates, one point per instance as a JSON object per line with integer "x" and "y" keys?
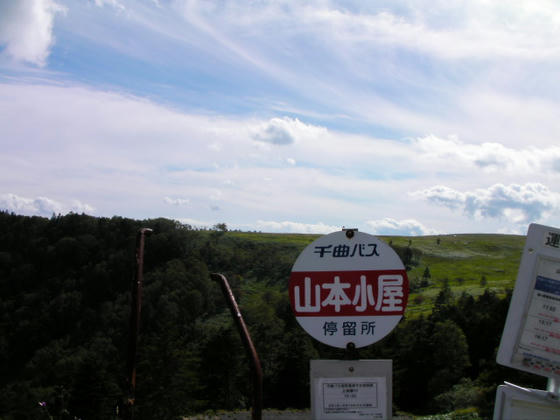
{"x": 348, "y": 290}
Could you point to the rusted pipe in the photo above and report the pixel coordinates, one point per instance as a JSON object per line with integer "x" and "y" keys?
{"x": 256, "y": 411}
{"x": 135, "y": 309}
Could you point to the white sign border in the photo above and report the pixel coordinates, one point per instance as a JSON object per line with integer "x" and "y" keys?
{"x": 391, "y": 261}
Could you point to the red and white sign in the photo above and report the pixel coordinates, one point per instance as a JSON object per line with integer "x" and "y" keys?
{"x": 348, "y": 289}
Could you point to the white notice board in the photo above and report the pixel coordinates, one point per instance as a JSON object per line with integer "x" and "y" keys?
{"x": 531, "y": 337}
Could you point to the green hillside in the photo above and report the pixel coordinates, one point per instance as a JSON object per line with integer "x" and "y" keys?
{"x": 469, "y": 263}
{"x": 65, "y": 302}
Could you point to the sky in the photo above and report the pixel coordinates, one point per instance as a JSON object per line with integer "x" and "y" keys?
{"x": 394, "y": 117}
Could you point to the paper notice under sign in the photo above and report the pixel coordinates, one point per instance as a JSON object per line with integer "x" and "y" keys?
{"x": 353, "y": 398}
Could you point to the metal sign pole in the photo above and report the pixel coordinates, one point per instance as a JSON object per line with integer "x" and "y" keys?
{"x": 135, "y": 309}
{"x": 247, "y": 342}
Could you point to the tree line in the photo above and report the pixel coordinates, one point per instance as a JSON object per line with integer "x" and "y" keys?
{"x": 65, "y": 286}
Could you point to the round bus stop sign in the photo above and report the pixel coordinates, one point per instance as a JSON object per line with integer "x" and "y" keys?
{"x": 348, "y": 287}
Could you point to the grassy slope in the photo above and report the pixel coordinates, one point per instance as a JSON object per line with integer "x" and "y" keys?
{"x": 462, "y": 259}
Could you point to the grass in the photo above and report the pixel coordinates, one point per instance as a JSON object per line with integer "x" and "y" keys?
{"x": 296, "y": 239}
{"x": 469, "y": 263}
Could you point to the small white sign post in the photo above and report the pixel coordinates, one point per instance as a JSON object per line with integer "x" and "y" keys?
{"x": 531, "y": 338}
{"x": 348, "y": 290}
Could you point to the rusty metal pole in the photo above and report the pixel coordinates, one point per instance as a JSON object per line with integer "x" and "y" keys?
{"x": 136, "y": 306}
{"x": 256, "y": 412}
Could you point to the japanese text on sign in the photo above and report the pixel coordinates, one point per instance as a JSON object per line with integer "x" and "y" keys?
{"x": 369, "y": 293}
{"x": 352, "y": 398}
{"x": 351, "y": 391}
{"x": 345, "y": 251}
{"x": 349, "y": 328}
{"x": 539, "y": 346}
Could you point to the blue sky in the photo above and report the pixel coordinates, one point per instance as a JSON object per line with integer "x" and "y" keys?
{"x": 394, "y": 117}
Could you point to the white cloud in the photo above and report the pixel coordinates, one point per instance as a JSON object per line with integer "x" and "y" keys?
{"x": 490, "y": 157}
{"x": 476, "y": 29}
{"x": 216, "y": 195}
{"x": 343, "y": 61}
{"x": 195, "y": 223}
{"x": 500, "y": 108}
{"x": 284, "y": 131}
{"x": 77, "y": 206}
{"x": 533, "y": 201}
{"x": 113, "y": 3}
{"x": 516, "y": 43}
{"x": 276, "y": 132}
{"x": 443, "y": 196}
{"x": 525, "y": 203}
{"x": 176, "y": 201}
{"x": 268, "y": 226}
{"x": 125, "y": 155}
{"x": 295, "y": 227}
{"x": 408, "y": 227}
{"x": 41, "y": 206}
{"x": 26, "y": 29}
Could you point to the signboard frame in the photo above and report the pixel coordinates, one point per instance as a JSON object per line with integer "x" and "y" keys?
{"x": 536, "y": 299}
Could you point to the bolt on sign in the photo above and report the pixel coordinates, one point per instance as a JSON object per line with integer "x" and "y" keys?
{"x": 348, "y": 287}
